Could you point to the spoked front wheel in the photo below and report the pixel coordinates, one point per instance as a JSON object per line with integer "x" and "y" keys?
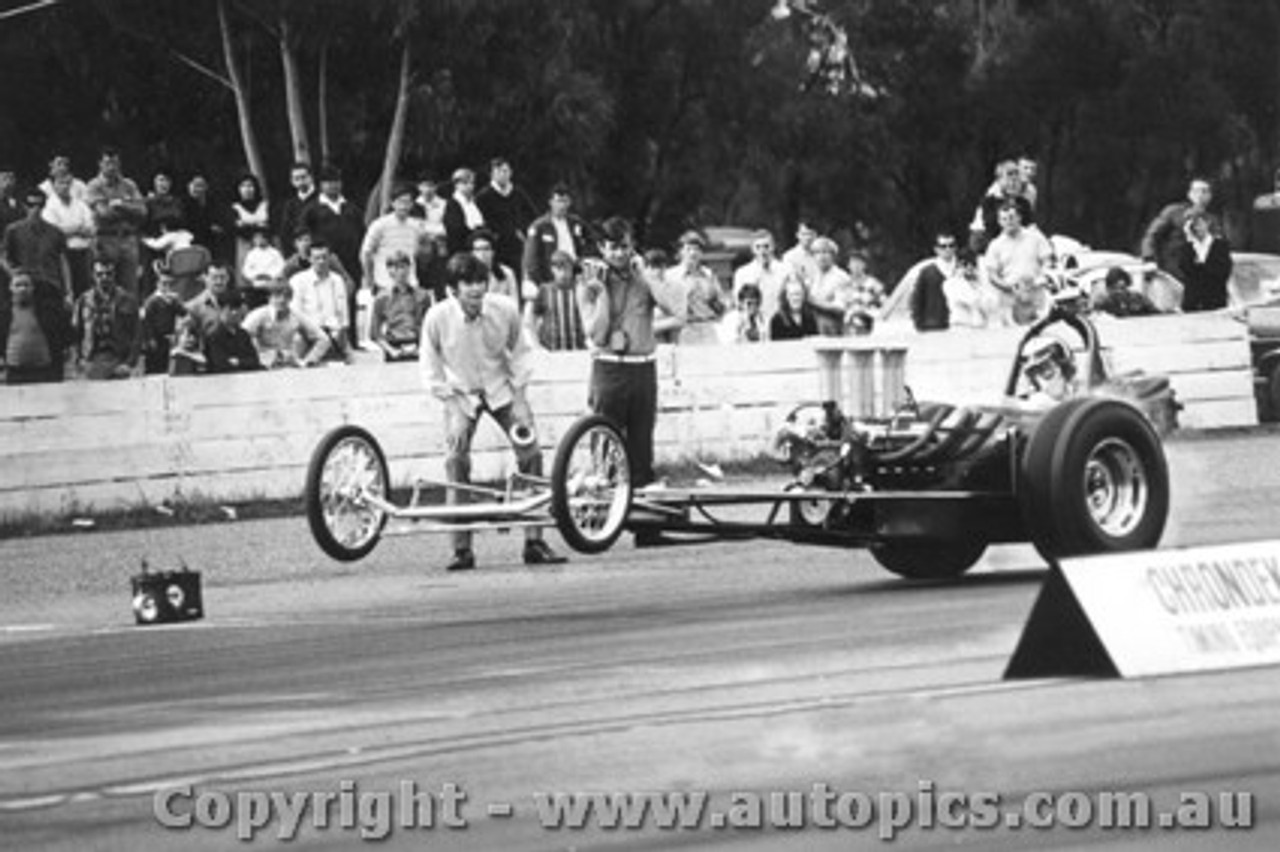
{"x": 347, "y": 469}
{"x": 591, "y": 485}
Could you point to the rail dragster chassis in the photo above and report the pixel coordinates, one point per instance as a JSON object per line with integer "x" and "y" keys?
{"x": 924, "y": 487}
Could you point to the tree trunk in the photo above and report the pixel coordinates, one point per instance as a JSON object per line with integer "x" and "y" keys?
{"x": 322, "y": 106}
{"x": 251, "y": 154}
{"x": 293, "y": 95}
{"x": 395, "y": 139}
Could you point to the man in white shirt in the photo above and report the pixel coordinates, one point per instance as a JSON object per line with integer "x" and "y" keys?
{"x": 74, "y": 219}
{"x": 393, "y": 233}
{"x": 320, "y": 295}
{"x": 800, "y": 257}
{"x": 282, "y": 336}
{"x": 474, "y": 358}
{"x": 1014, "y": 264}
{"x": 61, "y": 165}
{"x": 765, "y": 271}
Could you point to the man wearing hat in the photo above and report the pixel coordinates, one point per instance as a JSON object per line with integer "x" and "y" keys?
{"x": 33, "y": 244}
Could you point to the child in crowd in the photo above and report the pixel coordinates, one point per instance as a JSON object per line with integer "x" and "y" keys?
{"x": 186, "y": 358}
{"x": 160, "y": 314}
{"x": 263, "y": 265}
{"x": 552, "y": 317}
{"x": 750, "y": 325}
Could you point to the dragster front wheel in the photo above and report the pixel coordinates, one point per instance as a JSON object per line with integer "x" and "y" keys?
{"x": 347, "y": 468}
{"x": 591, "y": 485}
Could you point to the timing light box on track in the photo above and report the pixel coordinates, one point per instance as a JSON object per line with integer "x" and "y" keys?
{"x": 1154, "y": 613}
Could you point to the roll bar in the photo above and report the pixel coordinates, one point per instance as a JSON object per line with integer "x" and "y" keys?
{"x": 1097, "y": 371}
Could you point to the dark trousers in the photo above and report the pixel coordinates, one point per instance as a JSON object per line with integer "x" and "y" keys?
{"x": 80, "y": 270}
{"x": 34, "y": 375}
{"x": 628, "y": 395}
{"x": 124, "y": 251}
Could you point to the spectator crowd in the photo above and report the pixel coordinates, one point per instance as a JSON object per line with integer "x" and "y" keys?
{"x": 101, "y": 280}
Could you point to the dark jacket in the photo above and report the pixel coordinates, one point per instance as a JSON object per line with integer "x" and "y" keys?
{"x": 51, "y": 314}
{"x": 782, "y": 326}
{"x": 343, "y": 231}
{"x": 208, "y": 225}
{"x": 118, "y": 319}
{"x": 289, "y": 219}
{"x": 456, "y": 233}
{"x": 1206, "y": 283}
{"x": 230, "y": 350}
{"x": 929, "y": 309}
{"x": 507, "y": 216}
{"x": 541, "y": 242}
{"x": 34, "y": 244}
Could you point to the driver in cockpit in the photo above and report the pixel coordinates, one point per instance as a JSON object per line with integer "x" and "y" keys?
{"x": 1050, "y": 371}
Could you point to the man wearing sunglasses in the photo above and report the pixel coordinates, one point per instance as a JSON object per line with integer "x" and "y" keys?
{"x": 929, "y": 308}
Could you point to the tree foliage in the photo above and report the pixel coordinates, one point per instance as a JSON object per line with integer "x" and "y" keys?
{"x": 680, "y": 112}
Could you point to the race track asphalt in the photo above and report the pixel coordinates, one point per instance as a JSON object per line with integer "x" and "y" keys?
{"x": 727, "y": 667}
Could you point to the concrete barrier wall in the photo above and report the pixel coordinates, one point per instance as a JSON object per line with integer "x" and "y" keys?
{"x": 93, "y": 446}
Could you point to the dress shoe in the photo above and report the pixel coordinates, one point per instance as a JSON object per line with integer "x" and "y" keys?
{"x": 463, "y": 560}
{"x": 540, "y": 553}
{"x": 650, "y": 538}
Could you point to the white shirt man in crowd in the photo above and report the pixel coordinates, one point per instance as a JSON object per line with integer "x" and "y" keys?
{"x": 61, "y": 165}
{"x": 800, "y": 257}
{"x": 282, "y": 336}
{"x": 393, "y": 233}
{"x": 429, "y": 207}
{"x": 1014, "y": 264}
{"x": 320, "y": 295}
{"x": 831, "y": 292}
{"x": 475, "y": 358}
{"x": 704, "y": 303}
{"x": 765, "y": 271}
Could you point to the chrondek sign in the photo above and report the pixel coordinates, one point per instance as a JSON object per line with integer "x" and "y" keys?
{"x": 1158, "y": 612}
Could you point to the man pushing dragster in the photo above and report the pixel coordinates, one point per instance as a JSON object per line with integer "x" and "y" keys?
{"x": 474, "y": 359}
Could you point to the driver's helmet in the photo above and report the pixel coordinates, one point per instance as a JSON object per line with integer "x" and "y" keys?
{"x": 1049, "y": 354}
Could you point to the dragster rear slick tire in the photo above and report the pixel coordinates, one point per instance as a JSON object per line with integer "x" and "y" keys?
{"x": 591, "y": 485}
{"x": 328, "y": 506}
{"x": 1093, "y": 480}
